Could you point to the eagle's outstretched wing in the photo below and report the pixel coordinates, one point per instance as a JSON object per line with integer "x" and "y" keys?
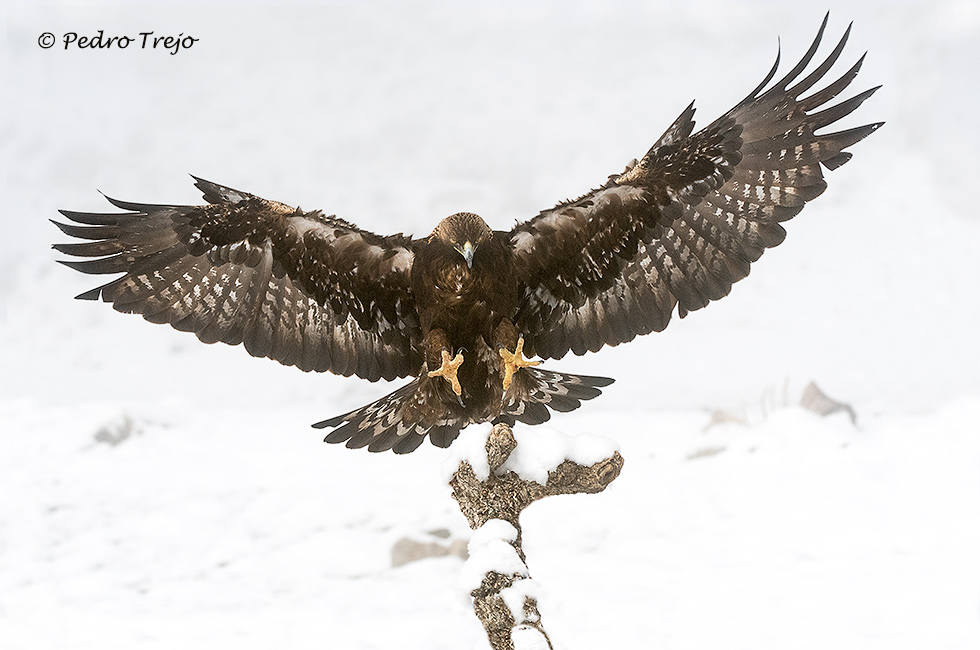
{"x": 299, "y": 287}
{"x": 684, "y": 223}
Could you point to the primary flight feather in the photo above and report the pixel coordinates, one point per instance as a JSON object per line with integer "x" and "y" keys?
{"x": 462, "y": 310}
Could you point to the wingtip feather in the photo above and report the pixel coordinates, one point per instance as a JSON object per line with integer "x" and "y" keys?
{"x": 92, "y": 294}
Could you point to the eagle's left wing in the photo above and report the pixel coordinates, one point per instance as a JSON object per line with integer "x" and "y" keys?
{"x": 685, "y": 222}
{"x": 299, "y": 287}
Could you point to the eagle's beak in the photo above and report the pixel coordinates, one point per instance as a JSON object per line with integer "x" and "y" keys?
{"x": 467, "y": 252}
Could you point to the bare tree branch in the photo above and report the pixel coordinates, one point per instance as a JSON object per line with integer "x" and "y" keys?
{"x": 505, "y": 600}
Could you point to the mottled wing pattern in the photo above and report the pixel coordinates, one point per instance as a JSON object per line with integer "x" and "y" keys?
{"x": 680, "y": 226}
{"x": 299, "y": 287}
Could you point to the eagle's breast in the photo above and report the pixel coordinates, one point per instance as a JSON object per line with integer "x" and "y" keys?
{"x": 455, "y": 284}
{"x": 465, "y": 302}
{"x": 460, "y": 300}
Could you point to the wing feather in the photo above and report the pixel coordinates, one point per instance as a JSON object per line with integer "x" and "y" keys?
{"x": 298, "y": 287}
{"x": 680, "y": 226}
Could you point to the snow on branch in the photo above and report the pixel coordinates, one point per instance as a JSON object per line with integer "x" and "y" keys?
{"x": 492, "y": 486}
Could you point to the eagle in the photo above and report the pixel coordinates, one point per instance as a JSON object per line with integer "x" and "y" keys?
{"x": 464, "y": 310}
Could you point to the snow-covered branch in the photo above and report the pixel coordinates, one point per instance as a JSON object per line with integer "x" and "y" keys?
{"x": 492, "y": 487}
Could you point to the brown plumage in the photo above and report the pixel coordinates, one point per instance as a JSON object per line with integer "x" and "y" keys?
{"x": 458, "y": 310}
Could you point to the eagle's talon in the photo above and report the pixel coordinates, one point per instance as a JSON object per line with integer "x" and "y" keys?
{"x": 514, "y": 361}
{"x": 448, "y": 370}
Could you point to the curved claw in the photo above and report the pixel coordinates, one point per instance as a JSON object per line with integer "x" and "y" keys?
{"x": 448, "y": 371}
{"x": 514, "y": 361}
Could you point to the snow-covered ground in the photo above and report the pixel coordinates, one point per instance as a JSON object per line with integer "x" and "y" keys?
{"x": 222, "y": 520}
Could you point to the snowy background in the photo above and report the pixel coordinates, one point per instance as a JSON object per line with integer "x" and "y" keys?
{"x": 222, "y": 520}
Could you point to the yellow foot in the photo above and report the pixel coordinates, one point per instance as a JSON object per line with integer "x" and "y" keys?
{"x": 514, "y": 361}
{"x": 448, "y": 371}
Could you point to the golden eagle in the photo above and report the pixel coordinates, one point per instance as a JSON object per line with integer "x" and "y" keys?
{"x": 459, "y": 310}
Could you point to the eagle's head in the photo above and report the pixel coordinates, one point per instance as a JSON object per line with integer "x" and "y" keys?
{"x": 464, "y": 232}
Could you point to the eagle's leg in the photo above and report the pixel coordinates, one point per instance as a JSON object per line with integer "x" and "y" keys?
{"x": 509, "y": 338}
{"x": 436, "y": 347}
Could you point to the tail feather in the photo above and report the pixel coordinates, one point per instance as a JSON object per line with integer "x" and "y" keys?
{"x": 393, "y": 422}
{"x": 536, "y": 392}
{"x": 383, "y": 425}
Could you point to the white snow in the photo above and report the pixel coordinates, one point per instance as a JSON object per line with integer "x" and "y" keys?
{"x": 222, "y": 520}
{"x": 526, "y": 637}
{"x": 542, "y": 448}
{"x": 517, "y": 594}
{"x": 470, "y": 446}
{"x": 491, "y": 549}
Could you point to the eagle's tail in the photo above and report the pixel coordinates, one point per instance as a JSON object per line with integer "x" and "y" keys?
{"x": 536, "y": 392}
{"x": 388, "y": 423}
{"x": 382, "y": 425}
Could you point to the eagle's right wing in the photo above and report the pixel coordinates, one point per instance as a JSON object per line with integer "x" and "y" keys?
{"x": 298, "y": 287}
